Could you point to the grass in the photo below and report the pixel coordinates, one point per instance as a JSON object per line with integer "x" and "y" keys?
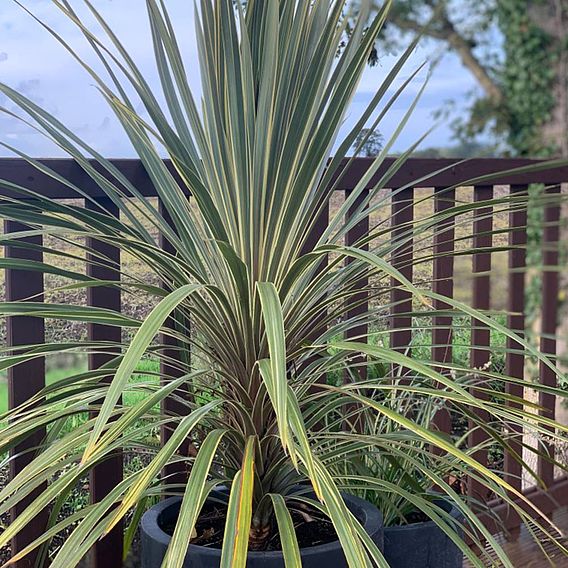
{"x": 51, "y": 377}
{"x": 147, "y": 369}
{"x": 146, "y": 373}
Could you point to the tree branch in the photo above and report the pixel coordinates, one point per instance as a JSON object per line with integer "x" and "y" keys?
{"x": 446, "y": 31}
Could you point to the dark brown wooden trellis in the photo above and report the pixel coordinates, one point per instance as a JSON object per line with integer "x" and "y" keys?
{"x": 26, "y": 380}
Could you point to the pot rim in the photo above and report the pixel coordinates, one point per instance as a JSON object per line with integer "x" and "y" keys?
{"x": 149, "y": 523}
{"x": 454, "y": 512}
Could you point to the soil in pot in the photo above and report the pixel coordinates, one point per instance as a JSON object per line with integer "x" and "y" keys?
{"x": 420, "y": 543}
{"x": 312, "y": 528}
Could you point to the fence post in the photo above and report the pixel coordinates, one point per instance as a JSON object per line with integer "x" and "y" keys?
{"x": 103, "y": 262}
{"x": 480, "y": 335}
{"x": 515, "y": 359}
{"x": 318, "y": 323}
{"x": 26, "y": 379}
{"x": 358, "y": 302}
{"x": 172, "y": 366}
{"x": 444, "y": 286}
{"x": 401, "y": 300}
{"x": 550, "y": 290}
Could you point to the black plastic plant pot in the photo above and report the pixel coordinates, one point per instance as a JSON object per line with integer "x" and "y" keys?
{"x": 422, "y": 545}
{"x": 155, "y": 541}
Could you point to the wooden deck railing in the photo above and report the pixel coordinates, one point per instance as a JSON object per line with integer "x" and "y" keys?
{"x": 26, "y": 380}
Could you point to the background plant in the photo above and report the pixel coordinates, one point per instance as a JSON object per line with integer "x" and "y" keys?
{"x": 409, "y": 463}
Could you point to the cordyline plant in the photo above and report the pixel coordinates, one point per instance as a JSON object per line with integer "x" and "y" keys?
{"x": 266, "y": 313}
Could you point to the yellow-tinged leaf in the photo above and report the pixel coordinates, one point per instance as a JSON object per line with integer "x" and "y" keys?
{"x": 239, "y": 513}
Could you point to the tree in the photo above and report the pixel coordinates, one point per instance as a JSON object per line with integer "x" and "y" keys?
{"x": 470, "y": 149}
{"x": 525, "y": 85}
{"x": 371, "y": 143}
{"x": 535, "y": 74}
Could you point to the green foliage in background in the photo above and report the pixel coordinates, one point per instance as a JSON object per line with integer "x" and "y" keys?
{"x": 369, "y": 142}
{"x": 516, "y": 51}
{"x": 527, "y": 77}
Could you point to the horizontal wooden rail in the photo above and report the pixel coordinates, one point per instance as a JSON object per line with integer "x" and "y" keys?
{"x": 447, "y": 173}
{"x": 502, "y": 516}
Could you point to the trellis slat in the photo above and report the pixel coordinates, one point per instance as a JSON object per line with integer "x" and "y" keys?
{"x": 550, "y": 291}
{"x": 318, "y": 324}
{"x": 480, "y": 335}
{"x": 402, "y": 209}
{"x": 515, "y": 359}
{"x": 174, "y": 363}
{"x": 358, "y": 302}
{"x": 443, "y": 284}
{"x": 104, "y": 263}
{"x": 26, "y": 379}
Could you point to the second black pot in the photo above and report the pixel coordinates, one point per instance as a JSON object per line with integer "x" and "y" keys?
{"x": 422, "y": 545}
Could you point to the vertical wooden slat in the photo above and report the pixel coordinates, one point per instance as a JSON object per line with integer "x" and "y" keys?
{"x": 312, "y": 239}
{"x": 359, "y": 301}
{"x": 26, "y": 379}
{"x": 104, "y": 263}
{"x": 317, "y": 230}
{"x": 514, "y": 359}
{"x": 172, "y": 366}
{"x": 480, "y": 335}
{"x": 550, "y": 290}
{"x": 402, "y": 209}
{"x": 443, "y": 285}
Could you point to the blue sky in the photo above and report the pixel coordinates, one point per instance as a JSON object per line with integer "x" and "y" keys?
{"x": 34, "y": 63}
